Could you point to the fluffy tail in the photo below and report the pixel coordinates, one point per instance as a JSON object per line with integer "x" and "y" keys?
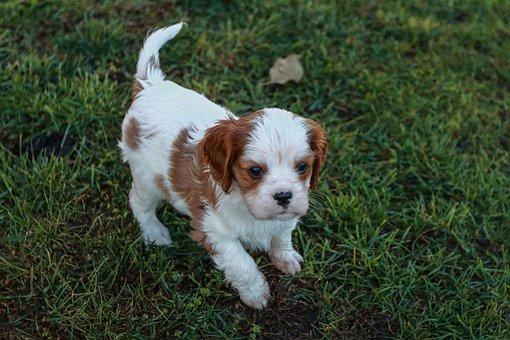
{"x": 147, "y": 67}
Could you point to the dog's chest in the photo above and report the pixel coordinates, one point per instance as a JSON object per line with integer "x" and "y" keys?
{"x": 254, "y": 234}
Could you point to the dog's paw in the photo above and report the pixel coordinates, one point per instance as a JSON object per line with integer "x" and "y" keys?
{"x": 256, "y": 295}
{"x": 156, "y": 235}
{"x": 288, "y": 262}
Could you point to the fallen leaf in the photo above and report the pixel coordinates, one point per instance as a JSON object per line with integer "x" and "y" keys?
{"x": 286, "y": 69}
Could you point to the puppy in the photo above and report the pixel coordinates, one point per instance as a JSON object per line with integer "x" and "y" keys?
{"x": 244, "y": 181}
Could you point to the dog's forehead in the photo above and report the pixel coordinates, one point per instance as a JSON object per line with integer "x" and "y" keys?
{"x": 277, "y": 135}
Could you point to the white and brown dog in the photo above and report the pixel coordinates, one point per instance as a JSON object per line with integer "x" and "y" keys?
{"x": 243, "y": 181}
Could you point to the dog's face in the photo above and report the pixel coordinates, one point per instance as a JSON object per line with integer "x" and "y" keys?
{"x": 272, "y": 156}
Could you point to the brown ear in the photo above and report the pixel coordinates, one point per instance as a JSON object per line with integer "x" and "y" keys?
{"x": 218, "y": 150}
{"x": 319, "y": 144}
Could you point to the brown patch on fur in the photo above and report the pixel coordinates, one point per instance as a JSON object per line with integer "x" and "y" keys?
{"x": 319, "y": 144}
{"x": 159, "y": 180}
{"x": 310, "y": 161}
{"x": 184, "y": 173}
{"x": 192, "y": 184}
{"x": 245, "y": 181}
{"x": 132, "y": 134}
{"x": 136, "y": 87}
{"x": 223, "y": 144}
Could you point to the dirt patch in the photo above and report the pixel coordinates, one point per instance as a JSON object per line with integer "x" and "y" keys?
{"x": 369, "y": 323}
{"x": 486, "y": 245}
{"x": 285, "y": 317}
{"x": 55, "y": 144}
{"x": 46, "y": 145}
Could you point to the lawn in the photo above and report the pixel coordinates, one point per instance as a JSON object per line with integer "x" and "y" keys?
{"x": 409, "y": 233}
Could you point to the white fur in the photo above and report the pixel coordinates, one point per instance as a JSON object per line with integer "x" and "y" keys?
{"x": 231, "y": 228}
{"x": 148, "y": 61}
{"x": 163, "y": 109}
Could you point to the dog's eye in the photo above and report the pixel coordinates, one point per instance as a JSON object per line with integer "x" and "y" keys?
{"x": 255, "y": 171}
{"x": 301, "y": 167}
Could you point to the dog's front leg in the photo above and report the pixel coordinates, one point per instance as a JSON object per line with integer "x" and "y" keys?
{"x": 241, "y": 271}
{"x": 283, "y": 255}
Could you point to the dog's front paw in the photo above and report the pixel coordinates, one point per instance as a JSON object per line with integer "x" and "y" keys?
{"x": 256, "y": 295}
{"x": 157, "y": 235}
{"x": 288, "y": 262}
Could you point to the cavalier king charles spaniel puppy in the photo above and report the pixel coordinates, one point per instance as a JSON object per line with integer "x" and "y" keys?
{"x": 244, "y": 181}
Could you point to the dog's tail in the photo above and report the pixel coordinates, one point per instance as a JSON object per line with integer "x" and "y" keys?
{"x": 147, "y": 68}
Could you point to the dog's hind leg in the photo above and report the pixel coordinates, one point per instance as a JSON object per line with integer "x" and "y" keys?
{"x": 144, "y": 198}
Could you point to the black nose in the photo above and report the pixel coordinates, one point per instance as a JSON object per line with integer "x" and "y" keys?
{"x": 283, "y": 198}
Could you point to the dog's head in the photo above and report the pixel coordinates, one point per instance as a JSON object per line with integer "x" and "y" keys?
{"x": 273, "y": 157}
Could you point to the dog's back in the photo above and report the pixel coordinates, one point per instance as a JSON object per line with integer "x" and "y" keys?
{"x": 160, "y": 110}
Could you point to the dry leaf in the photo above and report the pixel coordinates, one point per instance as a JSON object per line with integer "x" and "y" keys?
{"x": 285, "y": 69}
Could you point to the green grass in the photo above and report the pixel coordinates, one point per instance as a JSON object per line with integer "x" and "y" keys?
{"x": 409, "y": 235}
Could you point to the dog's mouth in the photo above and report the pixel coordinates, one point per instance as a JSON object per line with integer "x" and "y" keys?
{"x": 286, "y": 215}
